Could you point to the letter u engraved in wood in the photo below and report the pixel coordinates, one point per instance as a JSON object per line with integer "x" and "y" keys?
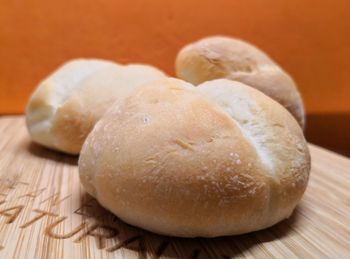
{"x": 49, "y": 229}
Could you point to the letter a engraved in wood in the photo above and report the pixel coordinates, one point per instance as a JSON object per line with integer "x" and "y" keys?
{"x": 11, "y": 213}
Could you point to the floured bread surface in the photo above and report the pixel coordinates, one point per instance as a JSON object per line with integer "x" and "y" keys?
{"x": 224, "y": 57}
{"x": 66, "y": 105}
{"x": 218, "y": 159}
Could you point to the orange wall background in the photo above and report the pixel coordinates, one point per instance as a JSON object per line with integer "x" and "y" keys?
{"x": 310, "y": 39}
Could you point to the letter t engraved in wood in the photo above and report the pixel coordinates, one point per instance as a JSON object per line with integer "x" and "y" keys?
{"x": 41, "y": 214}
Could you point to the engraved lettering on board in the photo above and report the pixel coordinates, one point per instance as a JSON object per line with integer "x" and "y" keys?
{"x": 96, "y": 222}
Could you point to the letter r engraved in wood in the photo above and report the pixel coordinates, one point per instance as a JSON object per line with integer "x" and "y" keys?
{"x": 11, "y": 213}
{"x": 41, "y": 214}
{"x": 49, "y": 229}
{"x": 105, "y": 232}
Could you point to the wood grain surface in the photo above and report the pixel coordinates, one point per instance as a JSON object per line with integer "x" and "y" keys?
{"x": 45, "y": 213}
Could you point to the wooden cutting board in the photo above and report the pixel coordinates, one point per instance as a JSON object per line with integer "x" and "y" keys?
{"x": 45, "y": 213}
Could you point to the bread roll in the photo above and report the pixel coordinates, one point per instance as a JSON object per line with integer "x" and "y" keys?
{"x": 218, "y": 159}
{"x": 66, "y": 105}
{"x": 223, "y": 57}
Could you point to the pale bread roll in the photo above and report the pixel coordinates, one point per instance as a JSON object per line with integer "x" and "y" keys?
{"x": 223, "y": 57}
{"x": 218, "y": 159}
{"x": 66, "y": 105}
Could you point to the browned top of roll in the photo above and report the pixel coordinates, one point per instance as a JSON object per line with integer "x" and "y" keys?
{"x": 218, "y": 159}
{"x": 225, "y": 57}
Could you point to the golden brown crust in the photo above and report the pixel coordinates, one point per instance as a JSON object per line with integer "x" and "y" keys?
{"x": 223, "y": 57}
{"x": 171, "y": 159}
{"x": 71, "y": 125}
{"x": 60, "y": 114}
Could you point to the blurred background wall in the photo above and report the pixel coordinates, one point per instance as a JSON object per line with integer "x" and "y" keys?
{"x": 310, "y": 39}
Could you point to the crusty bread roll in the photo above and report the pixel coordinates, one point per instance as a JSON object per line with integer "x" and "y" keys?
{"x": 223, "y": 57}
{"x": 66, "y": 105}
{"x": 218, "y": 159}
